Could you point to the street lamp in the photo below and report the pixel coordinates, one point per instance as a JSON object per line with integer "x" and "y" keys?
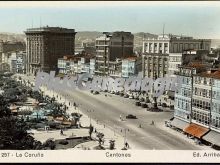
{"x": 125, "y": 136}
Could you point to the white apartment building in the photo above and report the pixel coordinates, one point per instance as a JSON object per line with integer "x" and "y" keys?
{"x": 128, "y": 67}
{"x": 175, "y": 60}
{"x": 159, "y": 45}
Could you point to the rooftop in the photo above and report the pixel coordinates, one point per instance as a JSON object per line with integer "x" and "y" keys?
{"x": 196, "y": 65}
{"x": 155, "y": 54}
{"x": 211, "y": 73}
{"x": 50, "y": 29}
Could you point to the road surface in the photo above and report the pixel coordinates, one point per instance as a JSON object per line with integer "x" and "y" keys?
{"x": 107, "y": 110}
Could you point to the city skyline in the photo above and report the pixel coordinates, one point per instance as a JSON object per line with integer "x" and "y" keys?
{"x": 197, "y": 19}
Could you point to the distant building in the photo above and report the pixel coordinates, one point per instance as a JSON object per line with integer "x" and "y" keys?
{"x": 102, "y": 53}
{"x": 21, "y": 62}
{"x": 45, "y": 45}
{"x": 174, "y": 44}
{"x": 73, "y": 65}
{"x": 115, "y": 68}
{"x": 199, "y": 55}
{"x": 112, "y": 46}
{"x": 131, "y": 66}
{"x": 175, "y": 60}
{"x": 92, "y": 66}
{"x": 155, "y": 65}
{"x": 10, "y": 46}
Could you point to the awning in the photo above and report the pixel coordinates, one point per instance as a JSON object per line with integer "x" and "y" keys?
{"x": 196, "y": 130}
{"x": 213, "y": 137}
{"x": 179, "y": 123}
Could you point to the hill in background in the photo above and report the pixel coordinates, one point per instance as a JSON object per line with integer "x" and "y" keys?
{"x": 12, "y": 37}
{"x": 90, "y": 36}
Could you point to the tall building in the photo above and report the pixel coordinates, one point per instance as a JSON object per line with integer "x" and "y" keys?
{"x": 174, "y": 44}
{"x": 155, "y": 65}
{"x": 112, "y": 46}
{"x": 102, "y": 53}
{"x": 121, "y": 45}
{"x": 45, "y": 45}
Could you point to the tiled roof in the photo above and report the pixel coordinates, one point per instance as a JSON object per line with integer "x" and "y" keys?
{"x": 211, "y": 74}
{"x": 196, "y": 65}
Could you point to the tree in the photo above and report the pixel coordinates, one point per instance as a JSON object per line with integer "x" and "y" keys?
{"x": 14, "y": 136}
{"x": 4, "y": 110}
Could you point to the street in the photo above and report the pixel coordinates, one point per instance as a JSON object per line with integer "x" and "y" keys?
{"x": 108, "y": 109}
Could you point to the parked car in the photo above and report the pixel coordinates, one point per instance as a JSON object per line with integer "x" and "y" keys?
{"x": 126, "y": 96}
{"x": 130, "y": 116}
{"x": 141, "y": 99}
{"x": 112, "y": 92}
{"x": 137, "y": 103}
{"x": 164, "y": 105}
{"x": 131, "y": 97}
{"x": 96, "y": 92}
{"x": 144, "y": 105}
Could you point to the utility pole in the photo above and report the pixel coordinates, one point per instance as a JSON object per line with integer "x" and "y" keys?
{"x": 122, "y": 46}
{"x": 163, "y": 29}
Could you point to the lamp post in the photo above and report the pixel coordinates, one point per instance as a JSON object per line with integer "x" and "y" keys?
{"x": 125, "y": 136}
{"x": 90, "y": 121}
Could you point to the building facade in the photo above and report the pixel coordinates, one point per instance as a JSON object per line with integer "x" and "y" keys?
{"x": 206, "y": 95}
{"x": 21, "y": 62}
{"x": 131, "y": 66}
{"x": 102, "y": 53}
{"x": 183, "y": 94}
{"x": 197, "y": 107}
{"x": 73, "y": 65}
{"x": 174, "y": 44}
{"x": 115, "y": 68}
{"x": 175, "y": 60}
{"x": 155, "y": 65}
{"x": 112, "y": 46}
{"x": 10, "y": 46}
{"x": 45, "y": 45}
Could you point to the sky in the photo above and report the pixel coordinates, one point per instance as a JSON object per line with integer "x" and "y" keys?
{"x": 197, "y": 19}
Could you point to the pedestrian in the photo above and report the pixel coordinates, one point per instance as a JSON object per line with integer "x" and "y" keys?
{"x": 126, "y": 145}
{"x": 139, "y": 125}
{"x": 152, "y": 122}
{"x": 61, "y": 131}
{"x": 120, "y": 117}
